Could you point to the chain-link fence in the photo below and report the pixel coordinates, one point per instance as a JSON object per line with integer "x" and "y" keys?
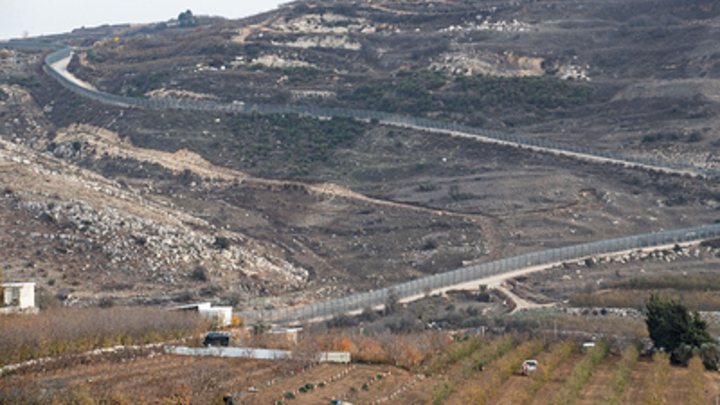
{"x": 416, "y": 287}
{"x": 478, "y": 272}
{"x": 387, "y": 118}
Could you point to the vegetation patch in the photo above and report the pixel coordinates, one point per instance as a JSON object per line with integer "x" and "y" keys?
{"x": 65, "y": 331}
{"x": 620, "y": 376}
{"x": 696, "y": 382}
{"x": 669, "y": 281}
{"x": 694, "y": 300}
{"x": 580, "y": 374}
{"x": 500, "y": 370}
{"x": 547, "y": 365}
{"x": 657, "y": 381}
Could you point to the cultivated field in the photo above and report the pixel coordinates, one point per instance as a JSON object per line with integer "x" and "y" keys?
{"x": 453, "y": 374}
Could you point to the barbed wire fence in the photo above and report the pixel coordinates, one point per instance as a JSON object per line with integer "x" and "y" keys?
{"x": 420, "y": 286}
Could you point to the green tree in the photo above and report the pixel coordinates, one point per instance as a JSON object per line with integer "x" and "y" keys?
{"x": 676, "y": 329}
{"x": 187, "y": 19}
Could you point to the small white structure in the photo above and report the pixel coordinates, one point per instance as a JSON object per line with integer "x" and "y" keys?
{"x": 222, "y": 314}
{"x": 18, "y": 297}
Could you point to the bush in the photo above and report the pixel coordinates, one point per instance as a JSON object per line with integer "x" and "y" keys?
{"x": 222, "y": 242}
{"x": 289, "y": 395}
{"x": 106, "y": 302}
{"x": 199, "y": 274}
{"x": 70, "y": 330}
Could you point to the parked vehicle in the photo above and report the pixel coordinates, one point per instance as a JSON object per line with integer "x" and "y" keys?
{"x": 216, "y": 339}
{"x": 529, "y": 366}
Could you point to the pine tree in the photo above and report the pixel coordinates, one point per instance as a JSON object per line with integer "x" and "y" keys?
{"x": 672, "y": 326}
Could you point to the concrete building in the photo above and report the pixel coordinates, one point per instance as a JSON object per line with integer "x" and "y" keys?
{"x": 18, "y": 297}
{"x": 222, "y": 314}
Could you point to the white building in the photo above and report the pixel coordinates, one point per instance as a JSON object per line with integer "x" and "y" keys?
{"x": 222, "y": 314}
{"x": 18, "y": 297}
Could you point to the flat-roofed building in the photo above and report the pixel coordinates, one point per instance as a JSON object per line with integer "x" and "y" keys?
{"x": 18, "y": 297}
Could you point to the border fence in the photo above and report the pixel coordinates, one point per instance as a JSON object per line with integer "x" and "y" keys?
{"x": 63, "y": 52}
{"x": 420, "y": 286}
{"x": 478, "y": 272}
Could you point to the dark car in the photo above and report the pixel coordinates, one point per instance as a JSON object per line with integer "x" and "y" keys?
{"x": 216, "y": 339}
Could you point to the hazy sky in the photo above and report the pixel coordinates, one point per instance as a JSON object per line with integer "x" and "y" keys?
{"x": 42, "y": 17}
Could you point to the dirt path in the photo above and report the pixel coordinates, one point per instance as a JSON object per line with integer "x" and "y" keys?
{"x": 545, "y": 394}
{"x": 635, "y": 389}
{"x": 505, "y": 395}
{"x": 521, "y": 304}
{"x": 598, "y": 383}
{"x": 712, "y": 387}
{"x": 677, "y": 385}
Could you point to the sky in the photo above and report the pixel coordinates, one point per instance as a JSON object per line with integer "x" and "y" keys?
{"x": 44, "y": 17}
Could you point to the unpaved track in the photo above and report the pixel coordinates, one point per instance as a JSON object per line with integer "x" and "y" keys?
{"x": 678, "y": 385}
{"x": 505, "y": 395}
{"x": 545, "y": 394}
{"x": 635, "y": 388}
{"x": 599, "y": 382}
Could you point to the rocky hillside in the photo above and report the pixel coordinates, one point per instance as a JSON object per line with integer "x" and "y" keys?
{"x": 153, "y": 206}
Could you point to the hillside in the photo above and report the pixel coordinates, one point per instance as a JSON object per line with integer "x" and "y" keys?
{"x": 318, "y": 208}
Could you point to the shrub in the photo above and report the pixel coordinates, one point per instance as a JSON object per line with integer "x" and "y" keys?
{"x": 427, "y": 187}
{"x": 289, "y": 395}
{"x": 106, "y": 302}
{"x": 222, "y": 242}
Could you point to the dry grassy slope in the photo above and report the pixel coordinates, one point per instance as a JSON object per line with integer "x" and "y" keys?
{"x": 124, "y": 240}
{"x": 122, "y": 262}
